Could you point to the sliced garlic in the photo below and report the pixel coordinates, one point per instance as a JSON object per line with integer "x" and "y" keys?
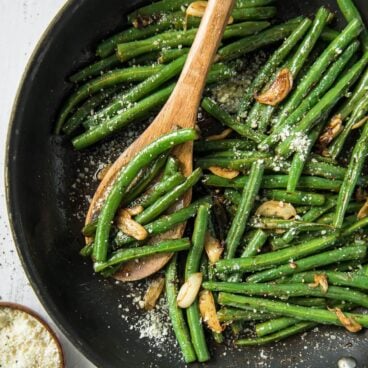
{"x": 208, "y": 312}
{"x": 363, "y": 212}
{"x": 136, "y": 210}
{"x": 213, "y": 248}
{"x": 198, "y": 8}
{"x": 128, "y": 226}
{"x": 348, "y": 322}
{"x": 189, "y": 290}
{"x": 276, "y": 209}
{"x": 223, "y": 172}
{"x": 320, "y": 280}
{"x": 101, "y": 173}
{"x": 360, "y": 123}
{"x": 332, "y": 129}
{"x": 278, "y": 90}
{"x": 222, "y": 135}
{"x": 153, "y": 293}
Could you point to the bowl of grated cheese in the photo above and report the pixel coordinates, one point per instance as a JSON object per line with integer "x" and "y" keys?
{"x": 26, "y": 340}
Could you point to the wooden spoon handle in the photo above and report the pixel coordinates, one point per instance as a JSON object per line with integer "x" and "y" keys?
{"x": 202, "y": 53}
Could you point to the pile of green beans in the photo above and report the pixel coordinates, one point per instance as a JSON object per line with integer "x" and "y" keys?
{"x": 274, "y": 185}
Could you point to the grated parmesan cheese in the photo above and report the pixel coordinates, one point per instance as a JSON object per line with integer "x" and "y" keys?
{"x": 25, "y": 342}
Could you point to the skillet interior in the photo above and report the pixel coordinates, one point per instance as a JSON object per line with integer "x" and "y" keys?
{"x": 44, "y": 194}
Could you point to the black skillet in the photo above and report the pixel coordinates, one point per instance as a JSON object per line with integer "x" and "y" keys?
{"x": 43, "y": 195}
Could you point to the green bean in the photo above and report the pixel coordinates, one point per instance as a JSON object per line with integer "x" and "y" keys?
{"x": 142, "y": 184}
{"x": 129, "y": 50}
{"x": 328, "y": 218}
{"x": 262, "y": 113}
{"x": 224, "y": 118}
{"x": 159, "y": 189}
{"x": 274, "y": 182}
{"x": 176, "y": 314}
{"x": 289, "y": 290}
{"x": 166, "y": 222}
{"x": 284, "y": 255}
{"x": 312, "y": 167}
{"x": 254, "y": 42}
{"x": 238, "y": 154}
{"x": 313, "y": 214}
{"x": 359, "y": 92}
{"x": 269, "y": 68}
{"x": 108, "y": 46}
{"x": 303, "y": 313}
{"x": 329, "y": 34}
{"x": 277, "y": 336}
{"x": 340, "y": 254}
{"x": 324, "y": 105}
{"x": 274, "y": 325}
{"x": 198, "y": 238}
{"x": 231, "y": 314}
{"x": 351, "y": 279}
{"x": 163, "y": 6}
{"x": 85, "y": 110}
{"x": 168, "y": 199}
{"x": 353, "y": 172}
{"x": 300, "y": 158}
{"x": 250, "y": 192}
{"x": 276, "y": 258}
{"x": 308, "y": 302}
{"x": 256, "y": 13}
{"x": 220, "y": 145}
{"x": 280, "y": 224}
{"x": 123, "y": 255}
{"x": 252, "y": 3}
{"x": 350, "y": 12}
{"x": 357, "y": 115}
{"x": 125, "y": 178}
{"x": 107, "y": 80}
{"x": 192, "y": 266}
{"x": 303, "y": 198}
{"x": 255, "y": 244}
{"x": 168, "y": 55}
{"x": 95, "y": 69}
{"x": 326, "y": 82}
{"x": 150, "y": 84}
{"x": 331, "y": 53}
{"x": 140, "y": 110}
{"x": 171, "y": 168}
{"x": 124, "y": 100}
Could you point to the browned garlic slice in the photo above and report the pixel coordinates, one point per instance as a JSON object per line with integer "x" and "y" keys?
{"x": 278, "y": 90}
{"x": 198, "y": 8}
{"x": 208, "y": 312}
{"x": 153, "y": 293}
{"x": 320, "y": 280}
{"x": 332, "y": 129}
{"x": 360, "y": 123}
{"x": 277, "y": 209}
{"x": 213, "y": 248}
{"x": 128, "y": 226}
{"x": 136, "y": 210}
{"x": 348, "y": 322}
{"x": 222, "y": 135}
{"x": 223, "y": 172}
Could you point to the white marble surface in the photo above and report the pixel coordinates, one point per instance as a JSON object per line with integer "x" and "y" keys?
{"x": 22, "y": 22}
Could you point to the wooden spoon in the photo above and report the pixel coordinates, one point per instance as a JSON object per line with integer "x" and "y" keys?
{"x": 179, "y": 111}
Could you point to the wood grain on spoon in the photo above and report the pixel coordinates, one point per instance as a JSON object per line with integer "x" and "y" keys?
{"x": 179, "y": 111}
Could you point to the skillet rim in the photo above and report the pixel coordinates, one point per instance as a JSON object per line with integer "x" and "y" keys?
{"x": 16, "y": 230}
